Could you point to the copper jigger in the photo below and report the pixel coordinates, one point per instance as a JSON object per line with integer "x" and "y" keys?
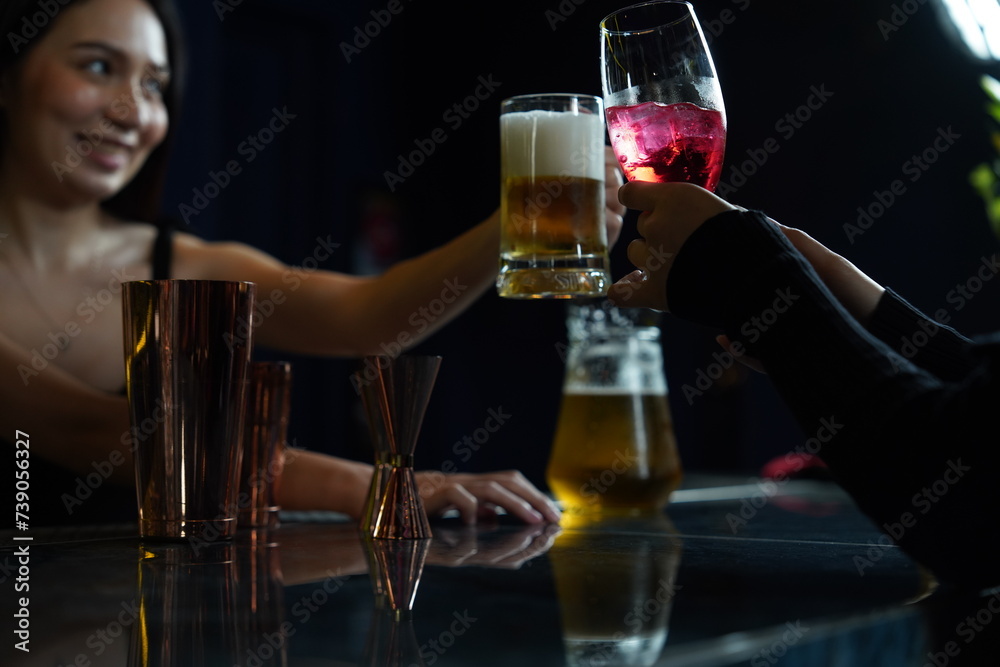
{"x": 380, "y": 473}
{"x": 264, "y": 437}
{"x": 402, "y": 387}
{"x": 392, "y": 641}
{"x": 395, "y": 567}
{"x": 187, "y": 355}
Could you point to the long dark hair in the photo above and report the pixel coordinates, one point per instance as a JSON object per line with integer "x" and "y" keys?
{"x": 23, "y": 23}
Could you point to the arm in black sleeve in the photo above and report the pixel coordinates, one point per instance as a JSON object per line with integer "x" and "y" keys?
{"x": 927, "y": 343}
{"x": 916, "y": 452}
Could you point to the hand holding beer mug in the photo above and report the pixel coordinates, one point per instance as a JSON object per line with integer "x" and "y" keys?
{"x": 553, "y": 240}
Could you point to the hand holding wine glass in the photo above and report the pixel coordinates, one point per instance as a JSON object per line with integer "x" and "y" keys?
{"x": 663, "y": 102}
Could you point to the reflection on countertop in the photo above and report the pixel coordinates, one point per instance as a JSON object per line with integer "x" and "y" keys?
{"x": 733, "y": 574}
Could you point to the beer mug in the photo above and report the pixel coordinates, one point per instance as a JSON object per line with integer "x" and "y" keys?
{"x": 614, "y": 449}
{"x": 553, "y": 240}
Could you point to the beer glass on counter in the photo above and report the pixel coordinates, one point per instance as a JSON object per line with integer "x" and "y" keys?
{"x": 614, "y": 451}
{"x": 553, "y": 240}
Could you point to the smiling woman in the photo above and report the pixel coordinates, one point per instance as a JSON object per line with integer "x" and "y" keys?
{"x": 86, "y": 102}
{"x": 85, "y": 112}
{"x": 28, "y": 24}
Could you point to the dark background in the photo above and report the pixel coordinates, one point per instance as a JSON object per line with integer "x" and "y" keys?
{"x": 358, "y": 105}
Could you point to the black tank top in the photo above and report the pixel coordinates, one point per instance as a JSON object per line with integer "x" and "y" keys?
{"x": 163, "y": 250}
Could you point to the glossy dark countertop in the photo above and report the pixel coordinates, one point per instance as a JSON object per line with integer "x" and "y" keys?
{"x": 732, "y": 574}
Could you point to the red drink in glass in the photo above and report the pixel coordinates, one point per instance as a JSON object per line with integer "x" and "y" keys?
{"x": 668, "y": 142}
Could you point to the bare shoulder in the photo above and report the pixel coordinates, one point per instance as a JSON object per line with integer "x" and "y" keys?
{"x": 122, "y": 244}
{"x": 132, "y": 232}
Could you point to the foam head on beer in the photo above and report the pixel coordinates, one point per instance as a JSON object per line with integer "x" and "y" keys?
{"x": 552, "y": 143}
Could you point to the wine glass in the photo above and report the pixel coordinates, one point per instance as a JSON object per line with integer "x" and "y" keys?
{"x": 662, "y": 98}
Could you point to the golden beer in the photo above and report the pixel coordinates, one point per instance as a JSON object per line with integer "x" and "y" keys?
{"x": 553, "y": 237}
{"x": 614, "y": 452}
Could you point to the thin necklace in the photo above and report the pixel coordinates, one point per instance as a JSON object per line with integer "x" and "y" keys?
{"x": 62, "y": 342}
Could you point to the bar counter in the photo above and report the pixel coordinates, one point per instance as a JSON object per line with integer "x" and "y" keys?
{"x": 735, "y": 572}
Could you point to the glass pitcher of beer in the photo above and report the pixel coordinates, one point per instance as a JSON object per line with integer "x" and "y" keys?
{"x": 614, "y": 450}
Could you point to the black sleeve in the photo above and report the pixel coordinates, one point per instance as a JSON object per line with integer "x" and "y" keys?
{"x": 916, "y": 451}
{"x": 929, "y": 344}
